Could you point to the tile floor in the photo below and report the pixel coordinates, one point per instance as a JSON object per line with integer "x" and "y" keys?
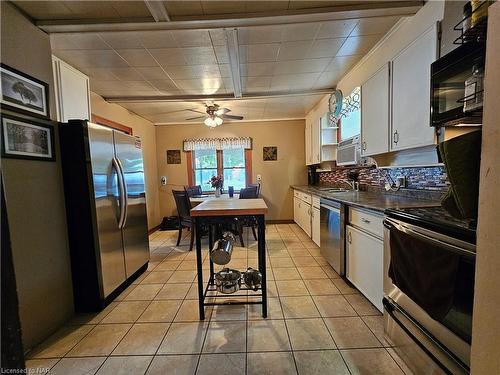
{"x": 317, "y": 324}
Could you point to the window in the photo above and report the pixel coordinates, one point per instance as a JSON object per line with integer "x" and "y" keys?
{"x": 230, "y": 163}
{"x": 350, "y": 123}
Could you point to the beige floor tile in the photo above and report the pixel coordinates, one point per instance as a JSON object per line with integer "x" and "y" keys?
{"x": 77, "y": 366}
{"x": 60, "y": 342}
{"x": 184, "y": 338}
{"x": 225, "y": 337}
{"x": 157, "y": 277}
{"x": 40, "y": 366}
{"x": 173, "y": 291}
{"x": 168, "y": 265}
{"x": 152, "y": 265}
{"x": 270, "y": 364}
{"x": 126, "y": 292}
{"x": 142, "y": 339}
{"x": 309, "y": 334}
{"x": 267, "y": 335}
{"x": 299, "y": 307}
{"x": 92, "y": 318}
{"x": 299, "y": 253}
{"x": 305, "y": 261}
{"x": 144, "y": 292}
{"x": 362, "y": 305}
{"x": 160, "y": 311}
{"x": 286, "y": 273}
{"x": 272, "y": 290}
{"x": 320, "y": 260}
{"x": 310, "y": 245}
{"x": 321, "y": 362}
{"x": 276, "y": 253}
{"x": 141, "y": 277}
{"x": 176, "y": 254}
{"x": 315, "y": 252}
{"x": 126, "y": 312}
{"x": 188, "y": 312}
{"x": 282, "y": 262}
{"x": 309, "y": 273}
{"x": 291, "y": 288}
{"x": 182, "y": 276}
{"x": 187, "y": 265}
{"x": 193, "y": 290}
{"x": 125, "y": 365}
{"x": 402, "y": 365}
{"x": 100, "y": 341}
{"x": 321, "y": 287}
{"x": 344, "y": 287}
{"x": 275, "y": 245}
{"x": 229, "y": 312}
{"x": 370, "y": 362}
{"x": 351, "y": 332}
{"x": 218, "y": 364}
{"x": 273, "y": 310}
{"x": 330, "y": 272}
{"x": 173, "y": 365}
{"x": 333, "y": 306}
{"x": 376, "y": 325}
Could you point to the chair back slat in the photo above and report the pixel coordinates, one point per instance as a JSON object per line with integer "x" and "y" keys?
{"x": 182, "y": 203}
{"x": 256, "y": 186}
{"x": 249, "y": 193}
{"x": 193, "y": 190}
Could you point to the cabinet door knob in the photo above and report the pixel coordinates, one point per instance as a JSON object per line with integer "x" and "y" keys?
{"x": 364, "y": 145}
{"x": 395, "y": 137}
{"x": 365, "y": 220}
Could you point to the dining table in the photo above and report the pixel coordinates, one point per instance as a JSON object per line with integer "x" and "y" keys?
{"x": 197, "y": 199}
{"x": 217, "y": 212}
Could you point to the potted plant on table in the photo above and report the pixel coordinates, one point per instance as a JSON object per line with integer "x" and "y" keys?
{"x": 217, "y": 182}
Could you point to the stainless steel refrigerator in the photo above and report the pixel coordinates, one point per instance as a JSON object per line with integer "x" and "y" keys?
{"x": 103, "y": 175}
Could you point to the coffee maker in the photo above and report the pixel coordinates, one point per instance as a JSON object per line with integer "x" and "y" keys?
{"x": 312, "y": 175}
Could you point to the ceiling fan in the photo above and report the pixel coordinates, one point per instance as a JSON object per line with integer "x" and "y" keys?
{"x": 216, "y": 115}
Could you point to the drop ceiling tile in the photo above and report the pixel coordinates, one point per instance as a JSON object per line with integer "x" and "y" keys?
{"x": 137, "y": 57}
{"x": 80, "y": 41}
{"x": 265, "y": 6}
{"x": 191, "y": 38}
{"x": 100, "y": 74}
{"x": 329, "y": 79}
{"x": 325, "y": 47}
{"x": 336, "y": 29}
{"x": 221, "y": 54}
{"x": 217, "y": 36}
{"x": 371, "y": 26}
{"x": 121, "y": 85}
{"x": 122, "y": 39}
{"x": 223, "y": 7}
{"x": 132, "y": 9}
{"x": 260, "y": 34}
{"x": 342, "y": 62}
{"x": 257, "y": 69}
{"x": 194, "y": 84}
{"x": 184, "y": 8}
{"x": 124, "y": 92}
{"x": 294, "y": 50}
{"x": 92, "y": 9}
{"x": 52, "y": 9}
{"x": 206, "y": 71}
{"x": 180, "y": 72}
{"x": 302, "y": 66}
{"x": 295, "y": 81}
{"x": 157, "y": 39}
{"x": 259, "y": 52}
{"x": 164, "y": 84}
{"x": 199, "y": 55}
{"x": 225, "y": 70}
{"x": 254, "y": 83}
{"x": 151, "y": 73}
{"x": 358, "y": 45}
{"x": 168, "y": 56}
{"x": 126, "y": 74}
{"x": 91, "y": 58}
{"x": 301, "y": 31}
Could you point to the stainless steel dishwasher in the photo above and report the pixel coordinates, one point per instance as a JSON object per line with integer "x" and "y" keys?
{"x": 331, "y": 234}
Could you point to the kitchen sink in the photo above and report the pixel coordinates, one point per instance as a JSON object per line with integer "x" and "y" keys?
{"x": 332, "y": 190}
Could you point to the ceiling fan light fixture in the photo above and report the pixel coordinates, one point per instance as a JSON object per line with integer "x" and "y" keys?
{"x": 210, "y": 122}
{"x": 218, "y": 121}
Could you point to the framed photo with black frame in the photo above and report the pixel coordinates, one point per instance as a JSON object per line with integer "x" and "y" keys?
{"x": 22, "y": 93}
{"x": 27, "y": 139}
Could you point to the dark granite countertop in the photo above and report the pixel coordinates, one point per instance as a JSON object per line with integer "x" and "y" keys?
{"x": 370, "y": 200}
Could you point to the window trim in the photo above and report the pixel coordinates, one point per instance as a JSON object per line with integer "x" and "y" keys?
{"x": 248, "y": 166}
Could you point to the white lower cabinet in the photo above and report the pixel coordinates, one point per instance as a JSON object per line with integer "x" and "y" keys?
{"x": 315, "y": 225}
{"x": 302, "y": 212}
{"x": 365, "y": 259}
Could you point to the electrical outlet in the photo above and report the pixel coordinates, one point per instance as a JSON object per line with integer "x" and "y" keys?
{"x": 163, "y": 180}
{"x": 259, "y": 178}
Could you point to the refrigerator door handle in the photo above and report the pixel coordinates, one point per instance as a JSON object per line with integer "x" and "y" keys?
{"x": 121, "y": 187}
{"x": 125, "y": 194}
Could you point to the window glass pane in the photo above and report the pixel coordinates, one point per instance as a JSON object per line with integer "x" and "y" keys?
{"x": 205, "y": 159}
{"x": 234, "y": 177}
{"x": 350, "y": 124}
{"x": 234, "y": 158}
{"x": 202, "y": 177}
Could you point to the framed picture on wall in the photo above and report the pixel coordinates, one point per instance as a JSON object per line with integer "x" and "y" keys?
{"x": 23, "y": 93}
{"x": 27, "y": 139}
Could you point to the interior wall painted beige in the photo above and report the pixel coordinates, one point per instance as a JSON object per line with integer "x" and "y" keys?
{"x": 35, "y": 200}
{"x": 277, "y": 176}
{"x": 146, "y": 130}
{"x": 486, "y": 321}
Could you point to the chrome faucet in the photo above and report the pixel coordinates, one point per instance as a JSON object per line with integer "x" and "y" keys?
{"x": 354, "y": 185}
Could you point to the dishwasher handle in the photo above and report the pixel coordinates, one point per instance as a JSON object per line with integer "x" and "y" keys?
{"x": 330, "y": 208}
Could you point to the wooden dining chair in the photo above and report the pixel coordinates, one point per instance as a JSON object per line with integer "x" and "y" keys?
{"x": 250, "y": 192}
{"x": 257, "y": 186}
{"x": 193, "y": 190}
{"x": 184, "y": 215}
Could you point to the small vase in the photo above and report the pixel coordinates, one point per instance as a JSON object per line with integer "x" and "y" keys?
{"x": 218, "y": 192}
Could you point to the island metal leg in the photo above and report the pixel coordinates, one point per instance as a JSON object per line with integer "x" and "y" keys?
{"x": 201, "y": 299}
{"x": 211, "y": 230}
{"x": 261, "y": 249}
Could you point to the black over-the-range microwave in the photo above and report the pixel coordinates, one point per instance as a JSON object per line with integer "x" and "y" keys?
{"x": 457, "y": 86}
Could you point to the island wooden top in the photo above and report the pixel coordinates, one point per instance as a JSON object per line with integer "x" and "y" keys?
{"x": 230, "y": 207}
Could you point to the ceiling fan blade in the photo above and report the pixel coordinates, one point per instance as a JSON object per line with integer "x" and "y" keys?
{"x": 195, "y": 118}
{"x": 226, "y": 110}
{"x": 194, "y": 110}
{"x": 232, "y": 117}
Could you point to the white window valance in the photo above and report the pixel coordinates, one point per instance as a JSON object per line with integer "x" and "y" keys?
{"x": 217, "y": 143}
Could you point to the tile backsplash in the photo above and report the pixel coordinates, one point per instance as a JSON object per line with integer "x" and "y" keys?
{"x": 418, "y": 178}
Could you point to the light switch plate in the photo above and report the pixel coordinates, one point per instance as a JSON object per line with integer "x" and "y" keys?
{"x": 259, "y": 178}
{"x": 163, "y": 180}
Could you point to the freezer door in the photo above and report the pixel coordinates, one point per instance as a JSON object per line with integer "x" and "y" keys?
{"x": 107, "y": 204}
{"x": 135, "y": 226}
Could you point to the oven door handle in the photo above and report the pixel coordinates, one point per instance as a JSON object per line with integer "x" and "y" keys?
{"x": 390, "y": 308}
{"x": 389, "y": 224}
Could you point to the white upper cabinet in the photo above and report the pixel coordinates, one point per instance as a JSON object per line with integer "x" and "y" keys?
{"x": 316, "y": 141}
{"x": 72, "y": 92}
{"x": 375, "y": 110}
{"x": 410, "y": 93}
{"x": 308, "y": 135}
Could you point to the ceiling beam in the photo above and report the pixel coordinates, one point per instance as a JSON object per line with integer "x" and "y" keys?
{"x": 198, "y": 98}
{"x": 157, "y": 10}
{"x": 233, "y": 52}
{"x": 366, "y": 10}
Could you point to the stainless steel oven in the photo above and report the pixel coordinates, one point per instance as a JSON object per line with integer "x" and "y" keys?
{"x": 428, "y": 297}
